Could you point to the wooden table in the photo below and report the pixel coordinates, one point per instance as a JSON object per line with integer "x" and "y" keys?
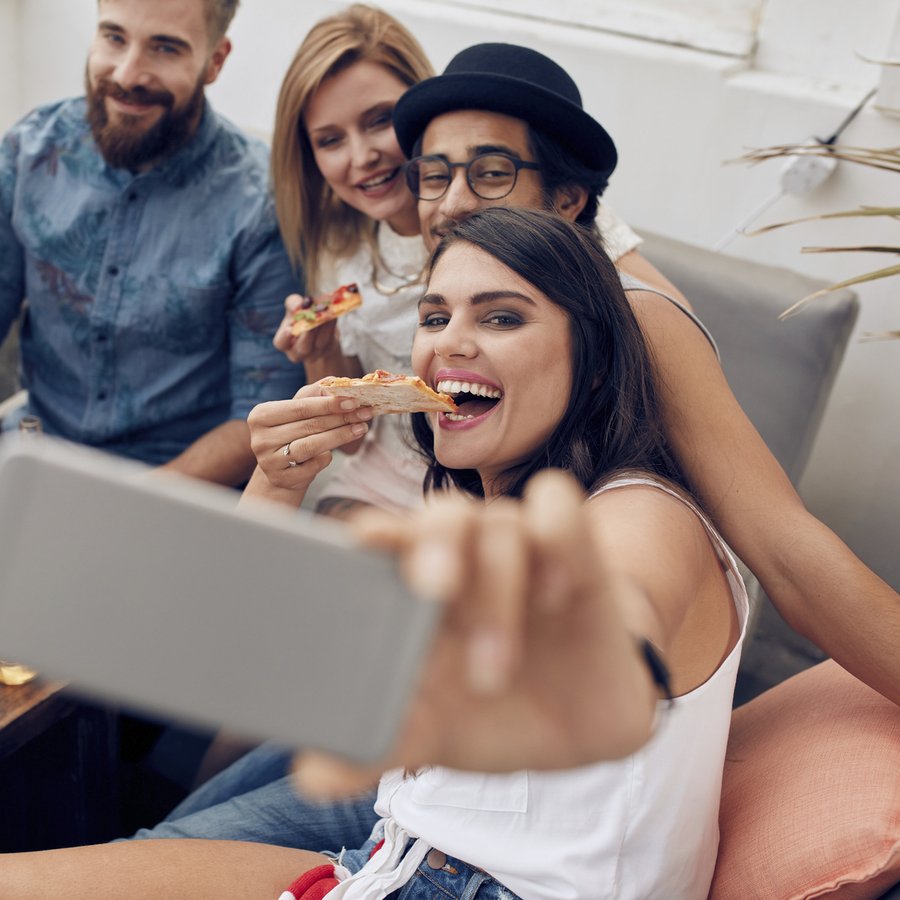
{"x": 58, "y": 769}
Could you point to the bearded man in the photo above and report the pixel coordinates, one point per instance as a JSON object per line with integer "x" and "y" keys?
{"x": 139, "y": 246}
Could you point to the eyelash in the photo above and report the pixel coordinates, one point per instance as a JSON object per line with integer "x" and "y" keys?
{"x": 511, "y": 320}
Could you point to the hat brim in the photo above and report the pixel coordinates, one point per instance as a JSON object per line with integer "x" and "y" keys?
{"x": 559, "y": 118}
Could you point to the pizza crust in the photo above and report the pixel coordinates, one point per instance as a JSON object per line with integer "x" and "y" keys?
{"x": 388, "y": 393}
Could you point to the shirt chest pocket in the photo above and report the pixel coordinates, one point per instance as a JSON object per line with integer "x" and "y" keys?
{"x": 472, "y": 790}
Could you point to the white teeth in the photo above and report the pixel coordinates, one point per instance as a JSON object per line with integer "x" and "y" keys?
{"x": 469, "y": 387}
{"x": 453, "y": 417}
{"x": 377, "y": 182}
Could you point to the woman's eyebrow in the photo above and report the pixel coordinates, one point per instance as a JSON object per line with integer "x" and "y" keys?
{"x": 479, "y": 298}
{"x": 432, "y": 300}
{"x": 492, "y": 296}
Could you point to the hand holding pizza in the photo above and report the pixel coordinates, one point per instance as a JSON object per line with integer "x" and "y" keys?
{"x": 307, "y": 331}
{"x": 293, "y": 439}
{"x": 309, "y": 345}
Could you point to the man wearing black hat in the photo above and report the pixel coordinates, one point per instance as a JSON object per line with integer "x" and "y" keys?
{"x": 504, "y": 125}
{"x": 500, "y": 108}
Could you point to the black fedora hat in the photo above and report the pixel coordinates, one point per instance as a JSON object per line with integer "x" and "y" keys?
{"x": 518, "y": 82}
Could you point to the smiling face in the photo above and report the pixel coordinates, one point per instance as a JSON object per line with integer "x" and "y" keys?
{"x": 348, "y": 121}
{"x": 458, "y": 136}
{"x": 503, "y": 349}
{"x": 146, "y": 71}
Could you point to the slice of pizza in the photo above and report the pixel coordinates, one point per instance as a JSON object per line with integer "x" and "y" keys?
{"x": 316, "y": 311}
{"x": 387, "y": 393}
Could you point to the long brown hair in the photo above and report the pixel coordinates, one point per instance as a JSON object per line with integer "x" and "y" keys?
{"x": 613, "y": 422}
{"x": 311, "y": 218}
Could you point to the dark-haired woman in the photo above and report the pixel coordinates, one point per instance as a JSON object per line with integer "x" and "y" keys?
{"x": 525, "y": 321}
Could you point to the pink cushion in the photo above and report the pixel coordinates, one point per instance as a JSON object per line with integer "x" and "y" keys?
{"x": 811, "y": 792}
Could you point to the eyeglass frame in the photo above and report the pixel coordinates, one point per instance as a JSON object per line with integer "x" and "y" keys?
{"x": 518, "y": 164}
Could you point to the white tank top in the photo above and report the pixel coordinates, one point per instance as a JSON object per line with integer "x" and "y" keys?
{"x": 642, "y": 827}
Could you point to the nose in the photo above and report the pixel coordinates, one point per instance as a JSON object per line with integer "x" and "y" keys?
{"x": 363, "y": 152}
{"x": 460, "y": 200}
{"x": 130, "y": 70}
{"x": 456, "y": 340}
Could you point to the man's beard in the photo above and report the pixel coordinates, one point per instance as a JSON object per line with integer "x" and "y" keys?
{"x": 126, "y": 145}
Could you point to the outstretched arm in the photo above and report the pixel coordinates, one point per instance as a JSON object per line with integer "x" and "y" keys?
{"x": 547, "y": 600}
{"x": 817, "y": 584}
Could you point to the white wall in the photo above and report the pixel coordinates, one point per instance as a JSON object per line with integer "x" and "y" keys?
{"x": 696, "y": 111}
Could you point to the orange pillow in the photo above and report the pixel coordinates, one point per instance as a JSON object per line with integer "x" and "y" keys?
{"x": 811, "y": 792}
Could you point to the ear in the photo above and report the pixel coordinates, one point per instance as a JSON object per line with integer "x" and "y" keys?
{"x": 217, "y": 60}
{"x": 569, "y": 200}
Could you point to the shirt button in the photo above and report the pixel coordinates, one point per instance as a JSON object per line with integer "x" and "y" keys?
{"x": 113, "y": 270}
{"x": 436, "y": 859}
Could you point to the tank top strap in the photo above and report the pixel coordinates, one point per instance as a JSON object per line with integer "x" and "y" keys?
{"x": 630, "y": 283}
{"x": 722, "y": 550}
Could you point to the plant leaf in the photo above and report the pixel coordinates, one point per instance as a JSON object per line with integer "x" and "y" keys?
{"x": 877, "y": 62}
{"x": 891, "y": 212}
{"x": 879, "y": 336}
{"x": 859, "y": 279}
{"x": 887, "y": 158}
{"x": 871, "y": 249}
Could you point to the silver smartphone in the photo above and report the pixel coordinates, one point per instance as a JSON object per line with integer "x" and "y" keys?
{"x": 159, "y": 593}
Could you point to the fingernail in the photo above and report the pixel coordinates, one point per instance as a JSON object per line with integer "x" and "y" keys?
{"x": 348, "y": 404}
{"x": 429, "y": 571}
{"x": 365, "y": 412}
{"x": 359, "y": 428}
{"x": 488, "y": 662}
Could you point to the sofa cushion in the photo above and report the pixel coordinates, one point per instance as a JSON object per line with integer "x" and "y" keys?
{"x": 811, "y": 792}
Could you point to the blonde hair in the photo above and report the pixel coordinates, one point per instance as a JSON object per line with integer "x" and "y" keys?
{"x": 311, "y": 218}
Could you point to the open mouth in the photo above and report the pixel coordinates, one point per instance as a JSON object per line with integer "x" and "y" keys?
{"x": 473, "y": 399}
{"x": 378, "y": 182}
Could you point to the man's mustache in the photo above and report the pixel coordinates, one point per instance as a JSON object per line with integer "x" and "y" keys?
{"x": 139, "y": 96}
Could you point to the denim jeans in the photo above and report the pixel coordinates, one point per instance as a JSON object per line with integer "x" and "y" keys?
{"x": 254, "y": 800}
{"x": 455, "y": 881}
{"x": 438, "y": 877}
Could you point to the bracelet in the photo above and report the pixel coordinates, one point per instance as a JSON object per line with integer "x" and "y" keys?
{"x": 659, "y": 672}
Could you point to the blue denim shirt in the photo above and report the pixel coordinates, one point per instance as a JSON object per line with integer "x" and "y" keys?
{"x": 152, "y": 298}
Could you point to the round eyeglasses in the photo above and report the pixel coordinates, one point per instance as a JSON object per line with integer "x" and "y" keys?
{"x": 490, "y": 176}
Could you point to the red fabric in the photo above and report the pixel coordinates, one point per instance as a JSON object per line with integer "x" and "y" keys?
{"x": 314, "y": 884}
